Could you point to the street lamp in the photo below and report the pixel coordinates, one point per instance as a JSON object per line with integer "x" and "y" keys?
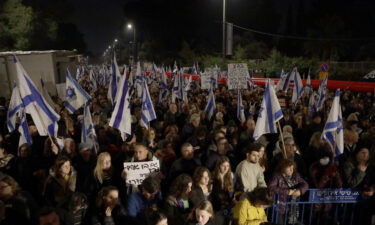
{"x": 132, "y": 27}
{"x": 224, "y": 26}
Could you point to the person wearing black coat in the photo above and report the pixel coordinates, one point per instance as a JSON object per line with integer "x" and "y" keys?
{"x": 20, "y": 206}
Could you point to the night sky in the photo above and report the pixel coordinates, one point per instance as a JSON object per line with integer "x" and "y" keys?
{"x": 199, "y": 21}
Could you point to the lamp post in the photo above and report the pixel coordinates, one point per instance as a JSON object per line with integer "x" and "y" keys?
{"x": 224, "y": 26}
{"x": 130, "y": 26}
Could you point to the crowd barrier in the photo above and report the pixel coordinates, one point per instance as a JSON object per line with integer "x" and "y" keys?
{"x": 319, "y": 206}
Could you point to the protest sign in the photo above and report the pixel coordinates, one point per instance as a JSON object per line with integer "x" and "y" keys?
{"x": 205, "y": 79}
{"x": 138, "y": 171}
{"x": 237, "y": 74}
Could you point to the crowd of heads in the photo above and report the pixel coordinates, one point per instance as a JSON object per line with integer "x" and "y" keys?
{"x": 206, "y": 165}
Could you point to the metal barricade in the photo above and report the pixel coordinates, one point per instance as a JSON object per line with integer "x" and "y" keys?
{"x": 318, "y": 206}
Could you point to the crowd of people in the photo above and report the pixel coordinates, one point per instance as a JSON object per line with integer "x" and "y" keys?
{"x": 212, "y": 171}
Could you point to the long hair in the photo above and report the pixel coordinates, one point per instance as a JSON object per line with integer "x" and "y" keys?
{"x": 58, "y": 164}
{"x": 227, "y": 181}
{"x": 11, "y": 182}
{"x": 180, "y": 185}
{"x": 98, "y": 171}
{"x": 198, "y": 174}
{"x": 206, "y": 206}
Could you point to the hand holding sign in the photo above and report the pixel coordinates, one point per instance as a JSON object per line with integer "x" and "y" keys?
{"x": 136, "y": 172}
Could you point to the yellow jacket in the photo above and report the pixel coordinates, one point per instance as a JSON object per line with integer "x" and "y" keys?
{"x": 247, "y": 214}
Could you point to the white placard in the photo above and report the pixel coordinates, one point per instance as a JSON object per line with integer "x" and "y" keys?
{"x": 205, "y": 79}
{"x": 237, "y": 75}
{"x": 138, "y": 171}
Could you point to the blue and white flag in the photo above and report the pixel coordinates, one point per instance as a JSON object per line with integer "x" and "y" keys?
{"x": 79, "y": 73}
{"x": 14, "y": 108}
{"x": 211, "y": 105}
{"x": 178, "y": 87}
{"x": 269, "y": 113}
{"x": 175, "y": 68}
{"x": 284, "y": 82}
{"x": 92, "y": 77}
{"x": 44, "y": 92}
{"x": 44, "y": 117}
{"x": 312, "y": 103}
{"x": 75, "y": 96}
{"x": 298, "y": 87}
{"x": 115, "y": 76}
{"x": 121, "y": 117}
{"x": 163, "y": 86}
{"x": 308, "y": 88}
{"x": 88, "y": 134}
{"x": 240, "y": 108}
{"x": 333, "y": 131}
{"x": 148, "y": 113}
{"x": 138, "y": 85}
{"x": 24, "y": 130}
{"x": 250, "y": 81}
{"x": 187, "y": 88}
{"x": 322, "y": 94}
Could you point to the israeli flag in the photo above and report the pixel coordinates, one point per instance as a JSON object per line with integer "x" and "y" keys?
{"x": 121, "y": 117}
{"x": 308, "y": 87}
{"x": 88, "y": 134}
{"x": 284, "y": 82}
{"x": 175, "y": 68}
{"x": 43, "y": 115}
{"x": 79, "y": 73}
{"x": 322, "y": 94}
{"x": 14, "y": 108}
{"x": 24, "y": 130}
{"x": 76, "y": 97}
{"x": 139, "y": 80}
{"x": 269, "y": 113}
{"x": 211, "y": 105}
{"x": 94, "y": 85}
{"x": 163, "y": 86}
{"x": 43, "y": 91}
{"x": 250, "y": 81}
{"x": 115, "y": 76}
{"x": 178, "y": 87}
{"x": 333, "y": 131}
{"x": 312, "y": 103}
{"x": 298, "y": 87}
{"x": 148, "y": 112}
{"x": 240, "y": 108}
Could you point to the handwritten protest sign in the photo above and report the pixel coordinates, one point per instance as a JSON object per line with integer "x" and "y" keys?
{"x": 138, "y": 171}
{"x": 205, "y": 79}
{"x": 237, "y": 74}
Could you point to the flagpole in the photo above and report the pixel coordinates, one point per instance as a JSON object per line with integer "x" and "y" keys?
{"x": 282, "y": 139}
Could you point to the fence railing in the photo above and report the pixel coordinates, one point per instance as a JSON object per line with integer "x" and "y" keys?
{"x": 318, "y": 206}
